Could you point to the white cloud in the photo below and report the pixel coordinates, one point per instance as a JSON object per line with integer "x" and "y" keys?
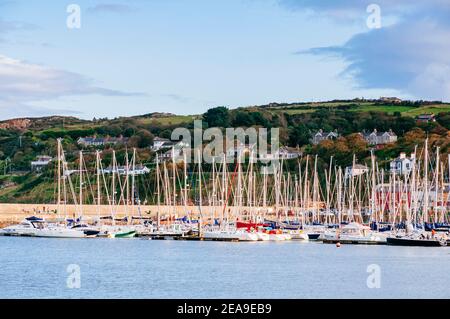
{"x": 411, "y": 56}
{"x": 22, "y": 83}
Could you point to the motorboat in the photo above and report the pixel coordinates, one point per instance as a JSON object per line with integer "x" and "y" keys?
{"x": 37, "y": 227}
{"x": 231, "y": 234}
{"x": 354, "y": 233}
{"x": 89, "y": 231}
{"x": 297, "y": 234}
{"x": 117, "y": 231}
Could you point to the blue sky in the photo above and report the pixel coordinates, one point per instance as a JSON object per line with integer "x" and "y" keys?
{"x": 135, "y": 57}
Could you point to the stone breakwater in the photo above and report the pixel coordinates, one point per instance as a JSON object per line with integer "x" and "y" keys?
{"x": 14, "y": 213}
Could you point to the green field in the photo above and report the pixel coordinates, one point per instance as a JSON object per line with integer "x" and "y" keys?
{"x": 169, "y": 120}
{"x": 364, "y": 107}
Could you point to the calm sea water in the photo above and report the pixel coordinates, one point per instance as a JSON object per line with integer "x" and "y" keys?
{"x": 136, "y": 268}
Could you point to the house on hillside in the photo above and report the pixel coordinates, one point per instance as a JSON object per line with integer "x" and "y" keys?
{"x": 161, "y": 143}
{"x": 240, "y": 149}
{"x": 379, "y": 138}
{"x": 101, "y": 141}
{"x": 40, "y": 162}
{"x": 391, "y": 99}
{"x": 283, "y": 153}
{"x": 122, "y": 170}
{"x": 289, "y": 152}
{"x": 175, "y": 152}
{"x": 356, "y": 170}
{"x": 322, "y": 136}
{"x": 425, "y": 118}
{"x": 403, "y": 165}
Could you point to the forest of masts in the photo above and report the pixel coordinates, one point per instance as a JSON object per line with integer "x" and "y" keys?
{"x": 249, "y": 191}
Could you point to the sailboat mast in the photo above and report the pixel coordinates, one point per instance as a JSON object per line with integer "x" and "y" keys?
{"x": 200, "y": 194}
{"x": 213, "y": 204}
{"x": 81, "y": 182}
{"x": 158, "y": 191}
{"x": 306, "y": 188}
{"x": 264, "y": 170}
{"x": 59, "y": 174}
{"x": 224, "y": 186}
{"x": 436, "y": 185}
{"x": 328, "y": 179}
{"x": 425, "y": 184}
{"x": 127, "y": 190}
{"x": 133, "y": 180}
{"x": 98, "y": 182}
{"x": 315, "y": 197}
{"x": 185, "y": 181}
{"x": 372, "y": 200}
{"x": 174, "y": 185}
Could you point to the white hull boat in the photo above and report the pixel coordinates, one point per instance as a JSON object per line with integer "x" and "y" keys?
{"x": 36, "y": 227}
{"x": 297, "y": 235}
{"x": 263, "y": 236}
{"x": 112, "y": 231}
{"x": 231, "y": 235}
{"x": 354, "y": 233}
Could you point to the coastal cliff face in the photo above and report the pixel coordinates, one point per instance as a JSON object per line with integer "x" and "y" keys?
{"x": 15, "y": 124}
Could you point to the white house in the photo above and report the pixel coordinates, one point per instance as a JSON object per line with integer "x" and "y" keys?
{"x": 284, "y": 153}
{"x": 161, "y": 143}
{"x": 240, "y": 149}
{"x": 101, "y": 141}
{"x": 40, "y": 162}
{"x": 175, "y": 152}
{"x": 403, "y": 165}
{"x": 122, "y": 170}
{"x": 356, "y": 170}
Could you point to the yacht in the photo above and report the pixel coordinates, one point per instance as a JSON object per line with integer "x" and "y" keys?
{"x": 354, "y": 233}
{"x": 231, "y": 234}
{"x": 37, "y": 227}
{"x": 424, "y": 239}
{"x": 297, "y": 234}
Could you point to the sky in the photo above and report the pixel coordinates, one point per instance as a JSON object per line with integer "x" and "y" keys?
{"x": 142, "y": 56}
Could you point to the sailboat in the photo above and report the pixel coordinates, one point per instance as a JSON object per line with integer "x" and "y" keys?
{"x": 420, "y": 237}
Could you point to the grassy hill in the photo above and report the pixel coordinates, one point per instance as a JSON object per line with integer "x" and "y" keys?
{"x": 405, "y": 110}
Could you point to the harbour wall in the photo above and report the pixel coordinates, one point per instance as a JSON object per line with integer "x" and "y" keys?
{"x": 14, "y": 213}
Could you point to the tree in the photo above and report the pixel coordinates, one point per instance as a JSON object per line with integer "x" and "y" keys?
{"x": 145, "y": 138}
{"x": 444, "y": 120}
{"x": 217, "y": 117}
{"x": 242, "y": 118}
{"x": 299, "y": 135}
